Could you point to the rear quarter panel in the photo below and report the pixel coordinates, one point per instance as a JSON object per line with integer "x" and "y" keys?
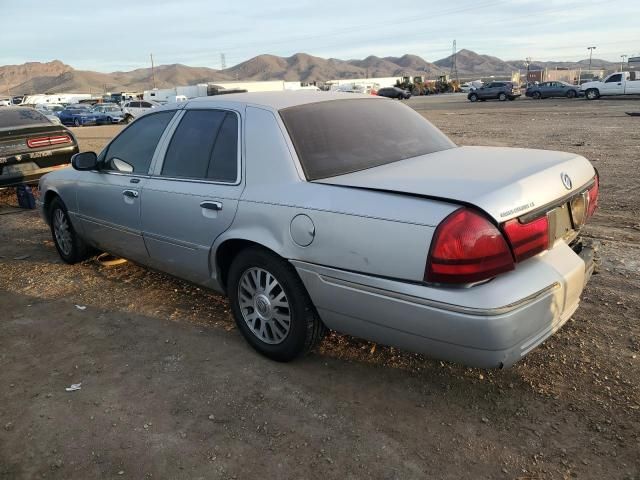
{"x": 366, "y": 231}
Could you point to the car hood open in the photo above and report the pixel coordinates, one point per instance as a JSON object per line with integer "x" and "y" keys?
{"x": 504, "y": 182}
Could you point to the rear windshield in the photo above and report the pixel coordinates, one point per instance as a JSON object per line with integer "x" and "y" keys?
{"x": 343, "y": 136}
{"x": 20, "y": 117}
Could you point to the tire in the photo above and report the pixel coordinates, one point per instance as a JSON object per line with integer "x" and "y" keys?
{"x": 109, "y": 120}
{"x": 254, "y": 306}
{"x": 76, "y": 122}
{"x": 69, "y": 245}
{"x": 128, "y": 119}
{"x": 511, "y": 99}
{"x": 536, "y": 96}
{"x": 473, "y": 97}
{"x": 592, "y": 94}
{"x": 502, "y": 97}
{"x": 572, "y": 94}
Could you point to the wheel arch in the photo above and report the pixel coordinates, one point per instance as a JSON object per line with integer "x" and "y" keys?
{"x": 47, "y": 199}
{"x": 229, "y": 248}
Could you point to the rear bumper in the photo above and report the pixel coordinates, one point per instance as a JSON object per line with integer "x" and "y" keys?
{"x": 483, "y": 326}
{"x": 27, "y": 177}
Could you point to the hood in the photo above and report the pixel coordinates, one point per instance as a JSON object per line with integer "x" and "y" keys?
{"x": 586, "y": 85}
{"x": 504, "y": 182}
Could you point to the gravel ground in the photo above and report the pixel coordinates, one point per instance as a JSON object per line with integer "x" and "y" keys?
{"x": 170, "y": 389}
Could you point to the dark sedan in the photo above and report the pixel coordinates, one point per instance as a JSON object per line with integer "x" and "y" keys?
{"x": 78, "y": 117}
{"x": 394, "y": 92}
{"x": 30, "y": 146}
{"x": 553, "y": 89}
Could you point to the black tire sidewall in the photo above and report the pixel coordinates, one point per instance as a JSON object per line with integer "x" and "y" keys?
{"x": 77, "y": 246}
{"x": 302, "y": 311}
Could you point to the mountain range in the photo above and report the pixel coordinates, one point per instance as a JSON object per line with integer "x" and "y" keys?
{"x": 57, "y": 77}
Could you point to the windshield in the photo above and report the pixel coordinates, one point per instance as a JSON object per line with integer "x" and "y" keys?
{"x": 343, "y": 136}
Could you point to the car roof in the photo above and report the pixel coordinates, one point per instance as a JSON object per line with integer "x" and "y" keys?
{"x": 278, "y": 100}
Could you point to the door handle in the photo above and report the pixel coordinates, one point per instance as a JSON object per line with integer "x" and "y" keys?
{"x": 130, "y": 193}
{"x": 217, "y": 206}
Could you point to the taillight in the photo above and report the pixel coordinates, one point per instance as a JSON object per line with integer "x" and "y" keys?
{"x": 466, "y": 247}
{"x": 47, "y": 141}
{"x": 527, "y": 239}
{"x": 593, "y": 197}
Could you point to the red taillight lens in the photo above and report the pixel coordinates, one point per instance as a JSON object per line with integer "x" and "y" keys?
{"x": 47, "y": 141}
{"x": 466, "y": 247}
{"x": 593, "y": 197}
{"x": 527, "y": 239}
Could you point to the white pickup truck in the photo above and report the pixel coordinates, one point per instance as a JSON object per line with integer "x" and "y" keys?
{"x": 619, "y": 83}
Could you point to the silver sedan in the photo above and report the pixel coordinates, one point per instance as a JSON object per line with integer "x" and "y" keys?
{"x": 315, "y": 210}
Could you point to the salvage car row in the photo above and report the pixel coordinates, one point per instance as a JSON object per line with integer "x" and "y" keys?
{"x": 615, "y": 84}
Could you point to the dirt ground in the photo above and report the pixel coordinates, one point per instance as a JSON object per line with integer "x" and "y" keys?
{"x": 171, "y": 390}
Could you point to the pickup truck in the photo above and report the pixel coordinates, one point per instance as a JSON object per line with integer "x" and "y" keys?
{"x": 619, "y": 83}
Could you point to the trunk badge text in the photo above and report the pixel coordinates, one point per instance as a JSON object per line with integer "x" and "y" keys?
{"x": 566, "y": 180}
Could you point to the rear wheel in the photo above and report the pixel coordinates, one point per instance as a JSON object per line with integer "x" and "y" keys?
{"x": 571, "y": 94}
{"x": 271, "y": 307}
{"x": 502, "y": 97}
{"x": 592, "y": 94}
{"x": 473, "y": 97}
{"x": 69, "y": 245}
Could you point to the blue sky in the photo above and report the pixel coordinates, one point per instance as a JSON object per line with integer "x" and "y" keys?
{"x": 112, "y": 35}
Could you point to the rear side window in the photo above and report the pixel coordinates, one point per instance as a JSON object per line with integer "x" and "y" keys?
{"x": 343, "y": 136}
{"x": 204, "y": 146}
{"x": 137, "y": 143}
{"x": 20, "y": 117}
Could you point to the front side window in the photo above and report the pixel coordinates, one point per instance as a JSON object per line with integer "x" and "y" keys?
{"x": 614, "y": 78}
{"x": 133, "y": 149}
{"x": 343, "y": 136}
{"x": 204, "y": 146}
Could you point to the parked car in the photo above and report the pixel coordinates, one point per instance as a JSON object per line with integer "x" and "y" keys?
{"x": 78, "y": 117}
{"x": 51, "y": 108}
{"x": 553, "y": 89}
{"x": 619, "y": 83}
{"x": 30, "y": 146}
{"x": 388, "y": 232}
{"x": 108, "y": 113}
{"x": 495, "y": 91}
{"x": 136, "y": 108}
{"x": 394, "y": 92}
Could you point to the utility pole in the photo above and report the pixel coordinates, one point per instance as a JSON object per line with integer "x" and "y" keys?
{"x": 453, "y": 73}
{"x": 153, "y": 73}
{"x": 223, "y": 62}
{"x": 591, "y": 49}
{"x": 624, "y": 57}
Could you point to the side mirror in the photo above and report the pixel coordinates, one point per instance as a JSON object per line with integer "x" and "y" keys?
{"x": 85, "y": 161}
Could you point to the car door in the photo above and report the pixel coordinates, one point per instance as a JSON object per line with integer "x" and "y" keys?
{"x": 109, "y": 198}
{"x": 192, "y": 196}
{"x": 613, "y": 85}
{"x": 632, "y": 85}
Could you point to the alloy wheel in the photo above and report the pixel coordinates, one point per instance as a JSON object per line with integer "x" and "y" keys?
{"x": 264, "y": 305}
{"x": 62, "y": 232}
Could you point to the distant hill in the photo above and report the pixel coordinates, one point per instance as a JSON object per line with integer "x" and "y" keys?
{"x": 57, "y": 77}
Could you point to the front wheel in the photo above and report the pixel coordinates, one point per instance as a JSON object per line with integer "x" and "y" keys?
{"x": 502, "y": 97}
{"x": 572, "y": 94}
{"x": 536, "y": 95}
{"x": 77, "y": 123}
{"x": 128, "y": 119}
{"x": 271, "y": 307}
{"x": 592, "y": 94}
{"x": 473, "y": 97}
{"x": 69, "y": 245}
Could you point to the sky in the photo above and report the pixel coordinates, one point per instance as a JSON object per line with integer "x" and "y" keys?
{"x": 119, "y": 35}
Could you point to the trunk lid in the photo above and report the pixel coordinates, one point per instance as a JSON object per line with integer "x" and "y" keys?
{"x": 504, "y": 182}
